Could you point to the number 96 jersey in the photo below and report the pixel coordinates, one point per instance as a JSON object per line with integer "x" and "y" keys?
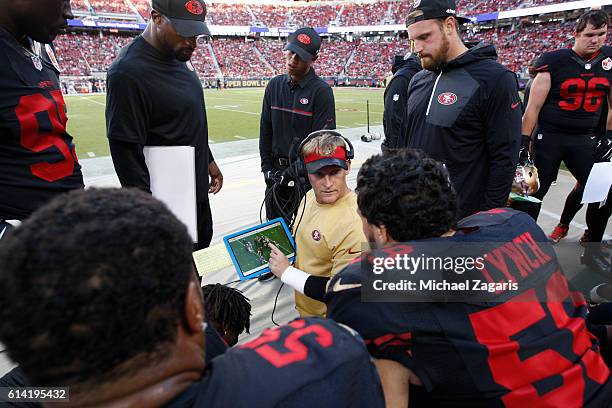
{"x": 37, "y": 157}
{"x": 578, "y": 90}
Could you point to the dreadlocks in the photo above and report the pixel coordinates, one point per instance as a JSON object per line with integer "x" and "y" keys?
{"x": 227, "y": 309}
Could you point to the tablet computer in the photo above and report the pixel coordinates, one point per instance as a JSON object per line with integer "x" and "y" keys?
{"x": 249, "y": 248}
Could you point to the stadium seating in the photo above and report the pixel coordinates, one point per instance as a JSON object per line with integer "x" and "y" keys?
{"x": 228, "y": 14}
{"x": 319, "y": 16}
{"x": 515, "y": 48}
{"x": 315, "y": 15}
{"x": 373, "y": 59}
{"x": 78, "y": 5}
{"x": 238, "y": 59}
{"x": 356, "y": 14}
{"x": 84, "y": 53}
{"x": 272, "y": 16}
{"x": 111, "y": 6}
{"x": 144, "y": 7}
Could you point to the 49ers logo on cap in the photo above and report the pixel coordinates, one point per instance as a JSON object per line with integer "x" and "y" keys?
{"x": 447, "y": 98}
{"x": 607, "y": 64}
{"x": 304, "y": 39}
{"x": 194, "y": 7}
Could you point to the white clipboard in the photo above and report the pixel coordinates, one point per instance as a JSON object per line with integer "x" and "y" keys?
{"x": 173, "y": 181}
{"x": 598, "y": 184}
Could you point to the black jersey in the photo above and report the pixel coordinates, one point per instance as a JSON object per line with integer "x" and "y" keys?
{"x": 523, "y": 348}
{"x": 306, "y": 363}
{"x": 578, "y": 90}
{"x": 37, "y": 157}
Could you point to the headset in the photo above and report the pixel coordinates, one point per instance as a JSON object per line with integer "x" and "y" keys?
{"x": 300, "y": 165}
{"x": 297, "y": 171}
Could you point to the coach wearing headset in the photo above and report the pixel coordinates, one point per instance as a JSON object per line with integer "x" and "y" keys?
{"x": 328, "y": 232}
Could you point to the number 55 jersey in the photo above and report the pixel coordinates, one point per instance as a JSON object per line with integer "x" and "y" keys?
{"x": 578, "y": 90}
{"x": 308, "y": 363}
{"x": 37, "y": 157}
{"x": 521, "y": 348}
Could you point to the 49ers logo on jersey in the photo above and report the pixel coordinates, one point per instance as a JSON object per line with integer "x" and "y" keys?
{"x": 447, "y": 98}
{"x": 607, "y": 64}
{"x": 304, "y": 101}
{"x": 194, "y": 7}
{"x": 316, "y": 235}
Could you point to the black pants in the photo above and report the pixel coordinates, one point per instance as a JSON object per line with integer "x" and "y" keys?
{"x": 550, "y": 149}
{"x": 205, "y": 225}
{"x": 597, "y": 219}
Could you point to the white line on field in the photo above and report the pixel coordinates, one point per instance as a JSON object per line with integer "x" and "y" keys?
{"x": 211, "y": 141}
{"x": 342, "y": 127}
{"x": 91, "y": 154}
{"x": 236, "y": 110}
{"x": 360, "y": 124}
{"x": 92, "y": 101}
{"x": 239, "y": 137}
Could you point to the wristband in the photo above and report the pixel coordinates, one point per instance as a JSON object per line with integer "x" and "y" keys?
{"x": 295, "y": 278}
{"x": 525, "y": 139}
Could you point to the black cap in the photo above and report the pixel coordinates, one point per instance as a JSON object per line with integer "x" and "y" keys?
{"x": 305, "y": 42}
{"x": 187, "y": 16}
{"x": 433, "y": 9}
{"x": 328, "y": 161}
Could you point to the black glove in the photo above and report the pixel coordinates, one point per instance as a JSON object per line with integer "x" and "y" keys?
{"x": 279, "y": 177}
{"x": 271, "y": 177}
{"x": 603, "y": 148}
{"x": 524, "y": 156}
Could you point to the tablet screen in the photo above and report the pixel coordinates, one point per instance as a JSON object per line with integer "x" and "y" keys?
{"x": 249, "y": 249}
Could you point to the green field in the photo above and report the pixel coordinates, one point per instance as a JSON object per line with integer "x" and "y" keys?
{"x": 251, "y": 253}
{"x": 233, "y": 114}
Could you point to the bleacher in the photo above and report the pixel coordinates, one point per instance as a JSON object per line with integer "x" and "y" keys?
{"x": 86, "y": 52}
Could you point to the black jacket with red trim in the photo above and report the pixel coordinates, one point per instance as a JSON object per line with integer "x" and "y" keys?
{"x": 290, "y": 112}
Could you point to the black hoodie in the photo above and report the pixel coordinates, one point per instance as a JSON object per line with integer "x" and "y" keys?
{"x": 396, "y": 96}
{"x": 468, "y": 116}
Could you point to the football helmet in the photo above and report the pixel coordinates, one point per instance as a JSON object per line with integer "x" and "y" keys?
{"x": 526, "y": 181}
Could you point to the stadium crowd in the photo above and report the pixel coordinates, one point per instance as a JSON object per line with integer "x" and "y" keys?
{"x": 82, "y": 53}
{"x": 316, "y": 15}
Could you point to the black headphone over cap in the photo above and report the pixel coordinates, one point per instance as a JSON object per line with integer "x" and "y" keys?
{"x": 301, "y": 165}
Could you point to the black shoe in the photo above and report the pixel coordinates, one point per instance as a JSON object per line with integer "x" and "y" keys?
{"x": 266, "y": 277}
{"x": 597, "y": 259}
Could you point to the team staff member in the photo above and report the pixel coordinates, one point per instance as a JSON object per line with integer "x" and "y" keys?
{"x": 166, "y": 106}
{"x": 295, "y": 104}
{"x": 395, "y": 97}
{"x": 329, "y": 235}
{"x": 37, "y": 156}
{"x": 463, "y": 108}
{"x": 567, "y": 102}
{"x": 522, "y": 347}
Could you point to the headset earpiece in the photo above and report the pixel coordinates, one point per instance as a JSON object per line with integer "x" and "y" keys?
{"x": 301, "y": 166}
